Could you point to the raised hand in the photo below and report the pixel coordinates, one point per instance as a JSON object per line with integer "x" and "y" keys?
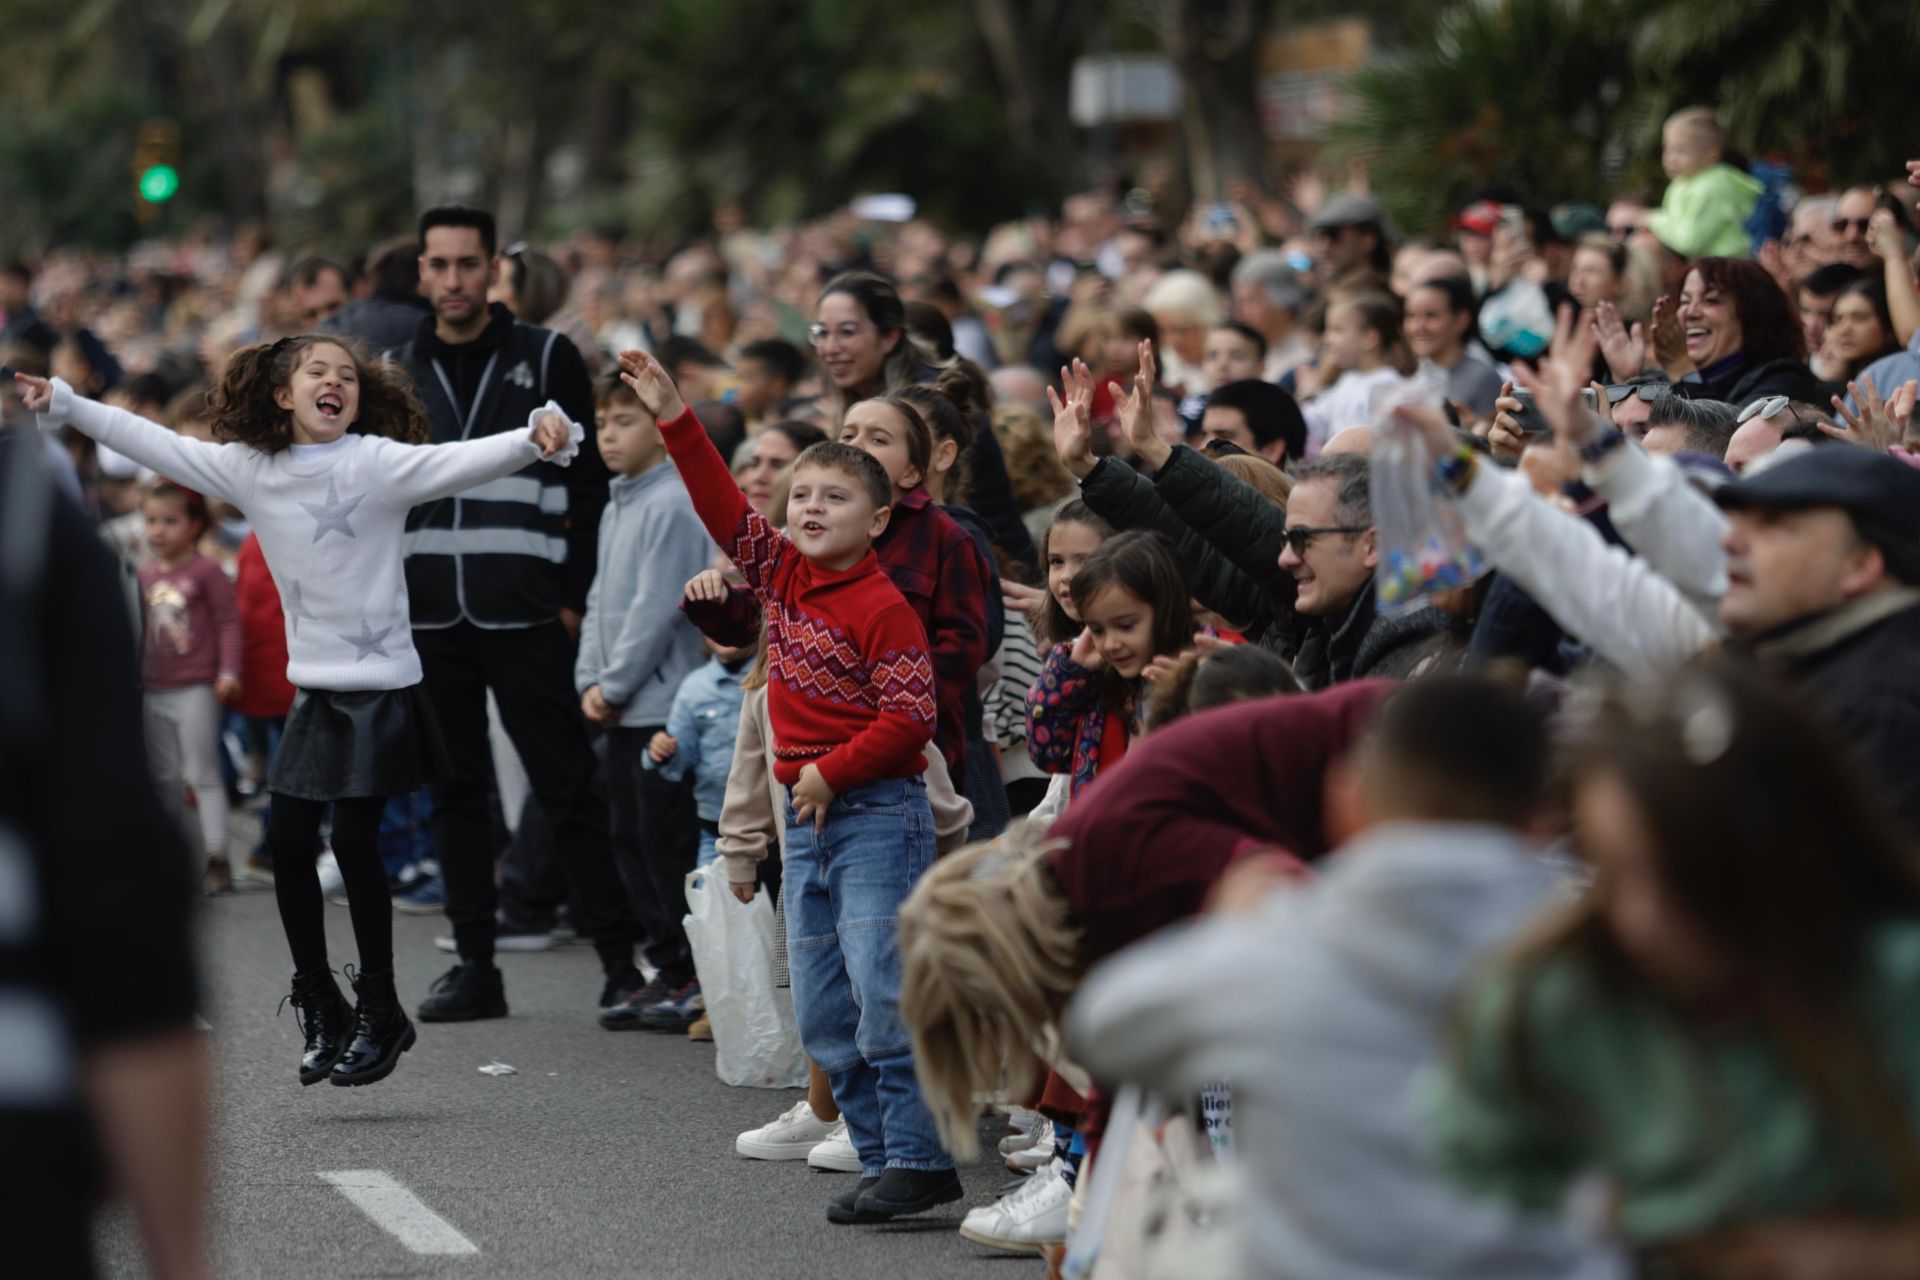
{"x": 1670, "y": 339}
{"x": 1878, "y": 424}
{"x": 552, "y": 432}
{"x": 1557, "y": 386}
{"x": 1626, "y": 352}
{"x": 652, "y": 384}
{"x": 1884, "y": 232}
{"x": 1136, "y": 411}
{"x": 1073, "y": 419}
{"x": 1019, "y": 597}
{"x": 1774, "y": 260}
{"x": 35, "y": 393}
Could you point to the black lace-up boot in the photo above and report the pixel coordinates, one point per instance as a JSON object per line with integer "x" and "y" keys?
{"x": 326, "y": 1020}
{"x": 381, "y": 1031}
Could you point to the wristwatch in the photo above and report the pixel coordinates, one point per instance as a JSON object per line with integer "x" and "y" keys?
{"x": 1596, "y": 450}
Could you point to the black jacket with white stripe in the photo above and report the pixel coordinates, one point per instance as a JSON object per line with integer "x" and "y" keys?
{"x": 514, "y": 552}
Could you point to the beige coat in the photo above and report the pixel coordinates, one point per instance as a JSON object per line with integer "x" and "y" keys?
{"x": 750, "y": 817}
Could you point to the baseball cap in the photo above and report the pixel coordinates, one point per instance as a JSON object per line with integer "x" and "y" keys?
{"x": 1482, "y": 217}
{"x": 1349, "y": 211}
{"x": 1864, "y": 483}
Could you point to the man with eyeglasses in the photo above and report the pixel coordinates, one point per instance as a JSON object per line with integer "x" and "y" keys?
{"x": 1809, "y": 245}
{"x": 1331, "y": 550}
{"x": 1851, "y": 218}
{"x": 1630, "y": 403}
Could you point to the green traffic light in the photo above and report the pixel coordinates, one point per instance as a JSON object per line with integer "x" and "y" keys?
{"x": 158, "y": 184}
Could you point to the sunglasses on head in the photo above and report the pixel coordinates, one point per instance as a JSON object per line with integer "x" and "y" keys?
{"x": 1648, "y": 391}
{"x": 1766, "y": 407}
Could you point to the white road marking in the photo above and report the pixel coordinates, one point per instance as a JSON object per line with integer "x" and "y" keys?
{"x": 401, "y": 1213}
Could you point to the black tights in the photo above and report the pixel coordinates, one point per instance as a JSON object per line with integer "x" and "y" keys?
{"x": 293, "y": 834}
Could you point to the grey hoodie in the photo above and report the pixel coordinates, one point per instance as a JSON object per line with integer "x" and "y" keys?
{"x": 634, "y": 642}
{"x": 1322, "y": 1010}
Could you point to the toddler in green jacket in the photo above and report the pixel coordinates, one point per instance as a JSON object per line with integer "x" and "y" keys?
{"x": 1704, "y": 212}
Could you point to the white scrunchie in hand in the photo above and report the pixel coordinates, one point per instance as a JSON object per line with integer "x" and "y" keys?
{"x": 576, "y": 434}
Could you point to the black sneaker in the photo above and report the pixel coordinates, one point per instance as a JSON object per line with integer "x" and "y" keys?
{"x": 620, "y": 986}
{"x": 902, "y": 1193}
{"x": 465, "y": 993}
{"x": 677, "y": 1011}
{"x": 624, "y": 1013}
{"x": 845, "y": 1211}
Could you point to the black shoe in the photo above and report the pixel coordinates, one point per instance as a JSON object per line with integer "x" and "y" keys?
{"x": 845, "y": 1210}
{"x": 381, "y": 1032}
{"x": 904, "y": 1192}
{"x": 620, "y": 987}
{"x": 465, "y": 993}
{"x": 326, "y": 1020}
{"x": 624, "y": 1013}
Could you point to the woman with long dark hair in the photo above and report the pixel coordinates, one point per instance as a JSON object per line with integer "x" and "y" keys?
{"x": 1731, "y": 335}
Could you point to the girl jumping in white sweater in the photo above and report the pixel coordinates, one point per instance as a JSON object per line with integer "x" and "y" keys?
{"x": 323, "y": 453}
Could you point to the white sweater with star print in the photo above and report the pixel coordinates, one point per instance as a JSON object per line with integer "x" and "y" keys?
{"x": 329, "y": 518}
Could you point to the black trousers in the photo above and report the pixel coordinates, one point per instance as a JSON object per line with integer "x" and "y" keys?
{"x": 530, "y": 671}
{"x": 655, "y": 830}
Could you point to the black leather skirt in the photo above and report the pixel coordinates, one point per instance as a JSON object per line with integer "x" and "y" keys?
{"x": 367, "y": 742}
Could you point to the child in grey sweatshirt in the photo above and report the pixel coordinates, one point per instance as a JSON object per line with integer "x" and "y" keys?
{"x": 635, "y": 648}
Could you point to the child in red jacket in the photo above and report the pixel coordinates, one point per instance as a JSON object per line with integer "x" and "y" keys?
{"x": 850, "y": 700}
{"x": 265, "y": 693}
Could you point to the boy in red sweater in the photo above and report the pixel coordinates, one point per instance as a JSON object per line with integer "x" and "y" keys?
{"x": 851, "y": 700}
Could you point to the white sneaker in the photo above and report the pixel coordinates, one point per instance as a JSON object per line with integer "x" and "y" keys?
{"x": 1027, "y": 1220}
{"x": 835, "y": 1152}
{"x": 1027, "y": 1138}
{"x": 333, "y": 886}
{"x": 1032, "y": 1152}
{"x": 797, "y": 1132}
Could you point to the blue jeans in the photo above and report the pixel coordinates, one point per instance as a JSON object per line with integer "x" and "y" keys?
{"x": 709, "y": 848}
{"x": 844, "y": 888}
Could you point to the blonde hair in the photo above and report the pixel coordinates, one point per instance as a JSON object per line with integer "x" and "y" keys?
{"x": 989, "y": 955}
{"x": 1186, "y": 294}
{"x": 1257, "y": 473}
{"x": 1702, "y": 123}
{"x": 1033, "y": 466}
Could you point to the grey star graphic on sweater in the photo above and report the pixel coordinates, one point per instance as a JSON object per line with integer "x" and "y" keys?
{"x": 297, "y": 608}
{"x": 367, "y": 643}
{"x": 331, "y": 516}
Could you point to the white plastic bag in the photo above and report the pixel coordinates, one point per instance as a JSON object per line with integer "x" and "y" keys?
{"x": 1424, "y": 549}
{"x": 755, "y": 1041}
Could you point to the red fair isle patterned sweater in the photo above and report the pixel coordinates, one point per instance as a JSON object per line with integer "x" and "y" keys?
{"x": 851, "y": 682}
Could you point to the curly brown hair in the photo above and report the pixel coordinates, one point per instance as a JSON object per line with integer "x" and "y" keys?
{"x": 243, "y": 409}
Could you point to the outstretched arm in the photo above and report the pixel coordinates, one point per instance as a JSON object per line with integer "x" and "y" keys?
{"x": 213, "y": 469}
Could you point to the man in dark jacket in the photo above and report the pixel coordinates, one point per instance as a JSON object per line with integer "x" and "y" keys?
{"x": 1331, "y": 550}
{"x": 387, "y": 317}
{"x": 498, "y": 579}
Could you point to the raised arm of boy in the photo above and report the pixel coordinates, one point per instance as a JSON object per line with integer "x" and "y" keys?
{"x": 754, "y": 545}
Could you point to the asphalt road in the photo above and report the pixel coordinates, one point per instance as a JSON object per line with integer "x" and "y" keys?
{"x": 606, "y": 1155}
